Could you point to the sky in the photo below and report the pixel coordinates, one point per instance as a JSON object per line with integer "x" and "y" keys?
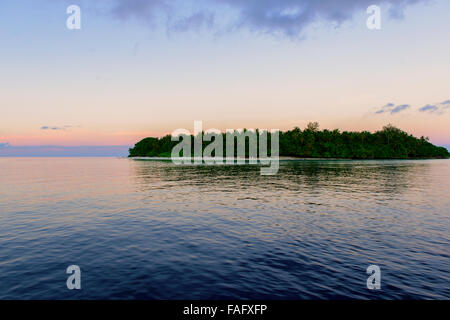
{"x": 140, "y": 68}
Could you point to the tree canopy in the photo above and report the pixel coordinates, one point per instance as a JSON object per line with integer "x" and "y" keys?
{"x": 388, "y": 143}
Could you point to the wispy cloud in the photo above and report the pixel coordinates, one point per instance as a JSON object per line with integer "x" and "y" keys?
{"x": 4, "y": 145}
{"x": 195, "y": 21}
{"x": 392, "y": 109}
{"x": 400, "y": 108}
{"x": 438, "y": 108}
{"x": 429, "y": 108}
{"x": 288, "y": 17}
{"x": 385, "y": 108}
{"x": 55, "y": 128}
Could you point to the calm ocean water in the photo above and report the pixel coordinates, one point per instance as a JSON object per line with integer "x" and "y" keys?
{"x": 153, "y": 230}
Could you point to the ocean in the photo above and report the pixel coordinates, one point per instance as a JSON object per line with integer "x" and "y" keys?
{"x": 153, "y": 230}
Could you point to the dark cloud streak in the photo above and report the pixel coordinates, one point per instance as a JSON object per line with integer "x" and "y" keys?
{"x": 438, "y": 109}
{"x": 429, "y": 108}
{"x": 400, "y": 108}
{"x": 392, "y": 109}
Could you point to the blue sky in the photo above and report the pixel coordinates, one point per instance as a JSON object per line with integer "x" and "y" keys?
{"x": 138, "y": 68}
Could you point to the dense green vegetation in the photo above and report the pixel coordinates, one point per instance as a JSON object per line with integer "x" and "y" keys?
{"x": 389, "y": 143}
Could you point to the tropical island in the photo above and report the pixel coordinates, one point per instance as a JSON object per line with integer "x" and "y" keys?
{"x": 388, "y": 143}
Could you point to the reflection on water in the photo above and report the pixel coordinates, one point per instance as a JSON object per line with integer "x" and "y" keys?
{"x": 150, "y": 229}
{"x": 390, "y": 177}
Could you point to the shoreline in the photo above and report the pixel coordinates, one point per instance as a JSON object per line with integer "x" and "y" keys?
{"x": 294, "y": 159}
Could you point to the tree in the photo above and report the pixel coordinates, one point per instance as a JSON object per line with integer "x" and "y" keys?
{"x": 312, "y": 126}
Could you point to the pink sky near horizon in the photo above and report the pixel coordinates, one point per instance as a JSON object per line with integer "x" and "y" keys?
{"x": 91, "y": 138}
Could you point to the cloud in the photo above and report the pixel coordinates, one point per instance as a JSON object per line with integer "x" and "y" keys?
{"x": 52, "y": 128}
{"x": 4, "y": 145}
{"x": 144, "y": 9}
{"x": 439, "y": 108}
{"x": 400, "y": 108}
{"x": 55, "y": 128}
{"x": 392, "y": 109}
{"x": 385, "y": 108}
{"x": 287, "y": 17}
{"x": 429, "y": 108}
{"x": 195, "y": 21}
